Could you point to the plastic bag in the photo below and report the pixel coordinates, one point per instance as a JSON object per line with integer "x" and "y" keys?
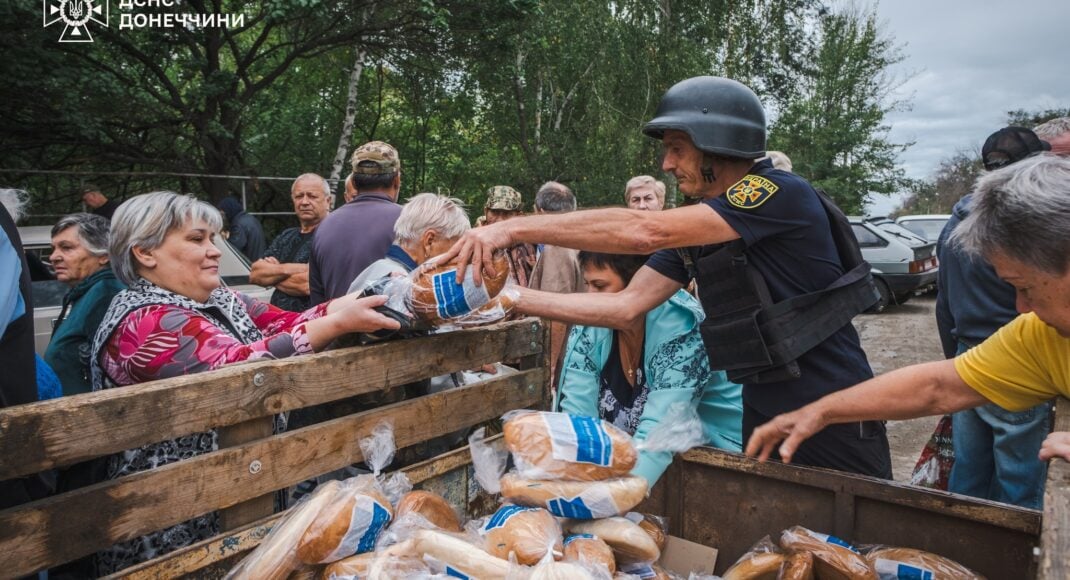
{"x": 350, "y": 525}
{"x": 797, "y": 566}
{"x": 629, "y": 542}
{"x": 457, "y": 556}
{"x": 894, "y": 563}
{"x": 657, "y": 527}
{"x": 764, "y": 557}
{"x": 373, "y": 565}
{"x": 430, "y": 506}
{"x": 276, "y": 557}
{"x": 937, "y": 457}
{"x": 832, "y": 555}
{"x": 495, "y": 310}
{"x": 549, "y": 445}
{"x": 379, "y": 448}
{"x": 679, "y": 430}
{"x": 586, "y": 500}
{"x": 488, "y": 460}
{"x": 590, "y": 551}
{"x": 522, "y": 532}
{"x": 549, "y": 569}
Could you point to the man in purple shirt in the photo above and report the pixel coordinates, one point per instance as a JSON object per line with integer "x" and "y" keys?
{"x": 359, "y": 232}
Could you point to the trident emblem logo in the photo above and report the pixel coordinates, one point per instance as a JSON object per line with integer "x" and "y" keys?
{"x": 75, "y": 16}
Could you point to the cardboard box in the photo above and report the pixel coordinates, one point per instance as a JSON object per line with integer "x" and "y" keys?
{"x": 681, "y": 557}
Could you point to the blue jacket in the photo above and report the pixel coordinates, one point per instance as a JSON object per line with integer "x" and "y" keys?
{"x": 972, "y": 301}
{"x": 677, "y": 369}
{"x": 72, "y": 339}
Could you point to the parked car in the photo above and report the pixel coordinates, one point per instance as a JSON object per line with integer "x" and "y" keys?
{"x": 902, "y": 263}
{"x": 48, "y": 292}
{"x": 927, "y": 226}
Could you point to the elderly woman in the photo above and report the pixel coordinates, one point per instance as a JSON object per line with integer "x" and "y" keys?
{"x": 176, "y": 318}
{"x": 631, "y": 377}
{"x": 80, "y": 259}
{"x": 428, "y": 225}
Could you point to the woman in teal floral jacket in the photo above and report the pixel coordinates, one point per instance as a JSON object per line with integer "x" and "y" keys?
{"x": 632, "y": 377}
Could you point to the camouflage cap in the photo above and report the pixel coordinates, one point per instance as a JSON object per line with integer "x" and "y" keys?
{"x": 375, "y": 158}
{"x": 503, "y": 198}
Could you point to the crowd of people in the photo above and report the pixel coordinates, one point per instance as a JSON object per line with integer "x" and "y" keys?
{"x": 739, "y": 303}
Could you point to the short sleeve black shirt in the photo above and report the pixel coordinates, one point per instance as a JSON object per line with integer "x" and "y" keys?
{"x": 290, "y": 247}
{"x": 788, "y": 240}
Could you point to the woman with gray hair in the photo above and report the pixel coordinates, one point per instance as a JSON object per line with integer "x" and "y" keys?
{"x": 1020, "y": 223}
{"x": 176, "y": 318}
{"x": 80, "y": 259}
{"x": 429, "y": 224}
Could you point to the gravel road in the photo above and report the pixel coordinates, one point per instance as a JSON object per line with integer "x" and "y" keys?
{"x": 898, "y": 337}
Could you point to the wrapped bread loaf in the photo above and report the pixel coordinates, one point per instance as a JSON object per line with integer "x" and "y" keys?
{"x": 590, "y": 550}
{"x": 276, "y": 558}
{"x": 457, "y": 555}
{"x": 562, "y": 446}
{"x": 437, "y": 297}
{"x": 907, "y": 562}
{"x": 431, "y": 506}
{"x": 653, "y": 525}
{"x": 797, "y": 566}
{"x": 628, "y": 541}
{"x": 349, "y": 525}
{"x": 361, "y": 566}
{"x": 585, "y": 500}
{"x": 756, "y": 566}
{"x": 525, "y": 532}
{"x": 833, "y": 557}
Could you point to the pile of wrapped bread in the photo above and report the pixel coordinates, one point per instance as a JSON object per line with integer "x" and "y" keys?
{"x": 803, "y": 554}
{"x": 561, "y": 518}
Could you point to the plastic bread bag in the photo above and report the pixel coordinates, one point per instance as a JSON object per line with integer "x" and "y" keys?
{"x": 523, "y": 533}
{"x": 585, "y": 500}
{"x": 350, "y": 525}
{"x": 657, "y": 527}
{"x": 435, "y": 297}
{"x": 797, "y": 566}
{"x": 488, "y": 460}
{"x": 276, "y": 557}
{"x": 630, "y": 544}
{"x": 453, "y": 555}
{"x": 548, "y": 445}
{"x": 761, "y": 562}
{"x": 496, "y": 310}
{"x": 378, "y": 450}
{"x": 833, "y": 557}
{"x": 893, "y": 563}
{"x": 364, "y": 566}
{"x": 589, "y": 550}
{"x": 549, "y": 569}
{"x": 679, "y": 430}
{"x": 430, "y": 506}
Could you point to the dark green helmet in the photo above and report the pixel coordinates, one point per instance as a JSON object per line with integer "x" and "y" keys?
{"x": 721, "y": 115}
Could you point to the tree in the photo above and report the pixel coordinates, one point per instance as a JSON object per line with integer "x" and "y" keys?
{"x": 835, "y": 132}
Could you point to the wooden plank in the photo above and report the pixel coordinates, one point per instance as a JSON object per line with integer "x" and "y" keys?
{"x": 258, "y": 507}
{"x": 240, "y": 541}
{"x": 62, "y": 528}
{"x": 67, "y": 430}
{"x": 978, "y": 510}
{"x": 1055, "y": 535}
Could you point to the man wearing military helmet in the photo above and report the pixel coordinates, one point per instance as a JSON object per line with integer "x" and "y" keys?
{"x": 778, "y": 271}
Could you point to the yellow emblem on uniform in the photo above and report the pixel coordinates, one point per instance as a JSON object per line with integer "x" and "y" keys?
{"x": 751, "y": 192}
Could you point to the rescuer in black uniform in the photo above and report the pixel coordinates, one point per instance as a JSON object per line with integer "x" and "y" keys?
{"x": 778, "y": 270}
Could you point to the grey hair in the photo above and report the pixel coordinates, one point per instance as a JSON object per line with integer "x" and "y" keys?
{"x": 1052, "y": 128}
{"x": 640, "y": 181}
{"x": 15, "y": 201}
{"x": 780, "y": 160}
{"x": 326, "y": 186}
{"x": 1023, "y": 212}
{"x": 93, "y": 230}
{"x": 555, "y": 197}
{"x": 144, "y": 220}
{"x": 430, "y": 211}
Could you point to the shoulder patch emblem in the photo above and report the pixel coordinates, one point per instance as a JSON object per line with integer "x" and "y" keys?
{"x": 751, "y": 192}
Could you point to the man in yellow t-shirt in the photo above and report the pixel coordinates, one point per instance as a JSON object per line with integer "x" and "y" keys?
{"x": 1020, "y": 223}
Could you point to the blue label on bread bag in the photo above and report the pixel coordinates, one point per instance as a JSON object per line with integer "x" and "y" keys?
{"x": 894, "y": 570}
{"x": 503, "y": 514}
{"x": 593, "y": 444}
{"x": 378, "y": 521}
{"x": 570, "y": 539}
{"x": 453, "y": 299}
{"x": 640, "y": 569}
{"x": 569, "y": 508}
{"x": 453, "y": 573}
{"x": 834, "y": 540}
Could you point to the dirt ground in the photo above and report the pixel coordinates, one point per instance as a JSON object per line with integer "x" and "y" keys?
{"x": 898, "y": 337}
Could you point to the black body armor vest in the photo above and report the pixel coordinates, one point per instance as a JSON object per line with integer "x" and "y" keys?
{"x": 756, "y": 340}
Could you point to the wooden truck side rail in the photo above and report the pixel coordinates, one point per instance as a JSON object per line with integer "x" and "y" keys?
{"x": 1055, "y": 537}
{"x": 240, "y": 401}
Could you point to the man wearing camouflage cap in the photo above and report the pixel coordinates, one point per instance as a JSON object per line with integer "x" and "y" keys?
{"x": 504, "y": 202}
{"x": 359, "y": 232}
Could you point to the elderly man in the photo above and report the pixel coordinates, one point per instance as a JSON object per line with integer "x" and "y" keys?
{"x": 645, "y": 193}
{"x": 285, "y": 262}
{"x": 1057, "y": 133}
{"x": 1020, "y": 223}
{"x": 359, "y": 232}
{"x": 97, "y": 203}
{"x": 763, "y": 245}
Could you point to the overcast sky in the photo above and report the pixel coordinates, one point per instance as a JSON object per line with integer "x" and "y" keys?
{"x": 967, "y": 63}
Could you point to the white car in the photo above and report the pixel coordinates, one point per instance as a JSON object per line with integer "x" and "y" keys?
{"x": 48, "y": 293}
{"x": 927, "y": 226}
